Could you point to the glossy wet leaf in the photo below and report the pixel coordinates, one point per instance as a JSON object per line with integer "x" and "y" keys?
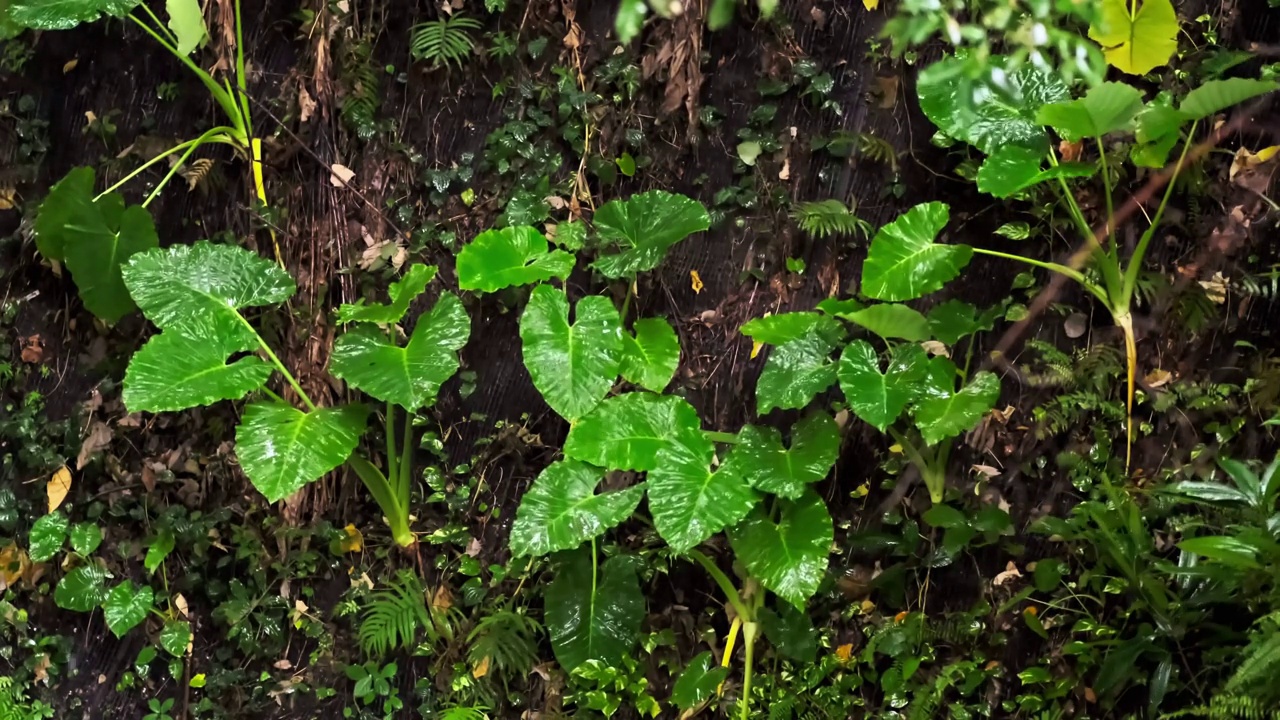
{"x": 159, "y": 549}
{"x": 561, "y": 510}
{"x": 1013, "y": 169}
{"x": 1227, "y": 550}
{"x": 954, "y": 320}
{"x": 188, "y": 367}
{"x": 650, "y": 356}
{"x": 795, "y": 373}
{"x": 187, "y": 23}
{"x": 83, "y": 589}
{"x": 996, "y": 109}
{"x": 791, "y": 632}
{"x": 402, "y": 292}
{"x": 593, "y": 617}
{"x": 65, "y": 14}
{"x": 48, "y": 534}
{"x": 86, "y": 537}
{"x": 769, "y": 466}
{"x": 905, "y": 263}
{"x": 785, "y": 327}
{"x": 626, "y": 432}
{"x": 892, "y": 321}
{"x": 789, "y": 557}
{"x": 1106, "y": 108}
{"x": 498, "y": 259}
{"x": 408, "y": 376}
{"x": 689, "y": 501}
{"x": 572, "y": 365}
{"x": 645, "y": 226}
{"x": 879, "y": 397}
{"x": 175, "y": 637}
{"x": 942, "y": 415}
{"x": 1139, "y": 43}
{"x": 126, "y": 606}
{"x": 1217, "y": 95}
{"x": 698, "y": 682}
{"x": 282, "y": 448}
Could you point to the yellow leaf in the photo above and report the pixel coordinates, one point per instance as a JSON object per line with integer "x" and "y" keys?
{"x": 844, "y": 652}
{"x": 481, "y": 669}
{"x": 59, "y": 486}
{"x": 13, "y": 565}
{"x": 896, "y": 449}
{"x": 867, "y": 607}
{"x": 695, "y": 281}
{"x": 8, "y": 198}
{"x": 901, "y": 616}
{"x": 755, "y": 348}
{"x": 870, "y": 4}
{"x": 862, "y": 490}
{"x": 197, "y": 680}
{"x": 352, "y": 540}
{"x": 70, "y": 65}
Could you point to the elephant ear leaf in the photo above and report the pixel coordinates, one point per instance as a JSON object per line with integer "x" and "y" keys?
{"x": 942, "y": 413}
{"x": 785, "y": 471}
{"x": 593, "y": 615}
{"x": 994, "y": 110}
{"x": 651, "y": 356}
{"x": 789, "y": 557}
{"x": 1136, "y": 43}
{"x": 511, "y": 256}
{"x": 562, "y": 510}
{"x": 627, "y": 432}
{"x": 66, "y": 14}
{"x": 402, "y": 292}
{"x": 905, "y": 263}
{"x": 282, "y": 448}
{"x": 644, "y": 227}
{"x": 572, "y": 365}
{"x": 878, "y": 398}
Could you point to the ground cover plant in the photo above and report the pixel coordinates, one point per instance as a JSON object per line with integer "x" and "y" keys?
{"x": 794, "y": 359}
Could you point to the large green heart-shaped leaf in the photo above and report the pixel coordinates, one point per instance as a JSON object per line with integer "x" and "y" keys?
{"x": 188, "y": 367}
{"x": 175, "y": 637}
{"x": 187, "y": 23}
{"x": 48, "y": 534}
{"x": 698, "y": 682}
{"x": 82, "y": 589}
{"x": 953, "y": 320}
{"x": 1217, "y": 95}
{"x": 85, "y": 538}
{"x": 497, "y": 259}
{"x": 1157, "y": 130}
{"x": 994, "y": 110}
{"x": 905, "y": 263}
{"x": 875, "y": 397}
{"x": 408, "y": 376}
{"x": 1013, "y": 169}
{"x": 402, "y": 292}
{"x": 795, "y": 373}
{"x": 786, "y": 471}
{"x": 783, "y": 328}
{"x": 70, "y": 199}
{"x": 1136, "y": 43}
{"x": 562, "y": 510}
{"x": 941, "y": 415}
{"x": 126, "y": 606}
{"x": 626, "y": 432}
{"x": 66, "y": 14}
{"x": 590, "y": 615}
{"x": 645, "y": 226}
{"x": 282, "y": 448}
{"x": 789, "y": 557}
{"x": 689, "y": 501}
{"x": 891, "y": 321}
{"x": 573, "y": 366}
{"x": 651, "y": 356}
{"x": 1106, "y": 108}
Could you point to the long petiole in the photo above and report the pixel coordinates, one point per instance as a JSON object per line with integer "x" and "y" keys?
{"x": 208, "y": 136}
{"x": 1053, "y": 267}
{"x": 288, "y": 376}
{"x": 167, "y": 32}
{"x": 1106, "y": 186}
{"x": 749, "y": 631}
{"x": 720, "y": 437}
{"x": 726, "y": 586}
{"x": 393, "y": 457}
{"x": 1135, "y": 260}
{"x": 242, "y": 79}
{"x": 406, "y": 464}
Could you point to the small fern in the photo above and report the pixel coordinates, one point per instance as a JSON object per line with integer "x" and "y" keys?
{"x": 824, "y": 218}
{"x": 394, "y": 617}
{"x": 508, "y": 639}
{"x": 445, "y": 41}
{"x": 478, "y": 712}
{"x": 361, "y": 97}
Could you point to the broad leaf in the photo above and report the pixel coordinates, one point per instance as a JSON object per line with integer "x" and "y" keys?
{"x": 992, "y": 111}
{"x": 905, "y": 263}
{"x": 789, "y": 557}
{"x": 786, "y": 471}
{"x": 1218, "y": 95}
{"x": 875, "y": 397}
{"x": 698, "y": 683}
{"x": 1227, "y": 550}
{"x": 954, "y": 320}
{"x": 630, "y": 19}
{"x": 86, "y": 537}
{"x": 1107, "y": 108}
{"x": 187, "y": 23}
{"x": 408, "y": 376}
{"x": 573, "y": 366}
{"x": 48, "y": 533}
{"x": 945, "y": 415}
{"x": 282, "y": 448}
{"x": 783, "y": 328}
{"x": 645, "y": 226}
{"x": 69, "y": 200}
{"x": 790, "y": 631}
{"x": 497, "y": 259}
{"x": 893, "y": 321}
{"x": 1137, "y": 43}
{"x": 562, "y": 510}
{"x": 175, "y": 637}
{"x": 158, "y": 551}
{"x": 626, "y": 432}
{"x": 65, "y": 14}
{"x": 651, "y": 356}
{"x": 126, "y": 606}
{"x": 187, "y": 367}
{"x": 795, "y": 373}
{"x": 689, "y": 501}
{"x": 402, "y": 292}
{"x": 1157, "y": 131}
{"x": 593, "y": 615}
{"x": 82, "y": 589}
{"x": 840, "y": 308}
{"x": 1013, "y": 169}
{"x": 1210, "y": 492}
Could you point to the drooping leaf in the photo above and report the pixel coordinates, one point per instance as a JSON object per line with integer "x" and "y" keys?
{"x": 187, "y": 367}
{"x": 994, "y": 110}
{"x": 795, "y": 373}
{"x": 158, "y": 551}
{"x": 791, "y": 632}
{"x": 1136, "y": 44}
{"x": 630, "y": 19}
{"x": 943, "y": 415}
{"x": 1157, "y": 131}
{"x": 572, "y": 365}
{"x": 86, "y": 537}
{"x": 954, "y": 320}
{"x": 282, "y": 448}
{"x": 786, "y": 471}
{"x": 875, "y": 397}
{"x": 497, "y": 259}
{"x": 82, "y": 589}
{"x": 789, "y": 557}
{"x": 889, "y": 320}
{"x": 187, "y": 23}
{"x": 1108, "y": 107}
{"x": 1225, "y": 549}
{"x": 645, "y": 226}
{"x": 65, "y": 14}
{"x": 783, "y": 328}
{"x": 408, "y": 376}
{"x": 70, "y": 199}
{"x": 175, "y": 637}
{"x": 402, "y": 292}
{"x": 626, "y": 432}
{"x": 126, "y": 606}
{"x": 905, "y": 263}
{"x": 593, "y": 616}
{"x": 698, "y": 682}
{"x": 1217, "y": 95}
{"x": 1013, "y": 169}
{"x": 689, "y": 501}
{"x": 651, "y": 356}
{"x": 561, "y": 510}
{"x": 48, "y": 533}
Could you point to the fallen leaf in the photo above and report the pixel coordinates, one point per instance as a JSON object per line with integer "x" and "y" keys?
{"x": 695, "y": 280}
{"x": 32, "y": 350}
{"x": 1158, "y": 377}
{"x": 887, "y": 88}
{"x": 1010, "y": 572}
{"x": 8, "y": 197}
{"x": 13, "y": 565}
{"x": 70, "y": 65}
{"x": 481, "y": 669}
{"x": 284, "y": 664}
{"x": 41, "y": 669}
{"x": 867, "y": 607}
{"x": 986, "y": 470}
{"x": 306, "y": 105}
{"x": 443, "y": 599}
{"x": 844, "y": 652}
{"x": 180, "y": 604}
{"x": 1090, "y": 696}
{"x": 340, "y": 175}
{"x": 785, "y": 172}
{"x": 1245, "y": 160}
{"x": 352, "y": 540}
{"x": 98, "y": 439}
{"x": 935, "y": 348}
{"x": 901, "y": 616}
{"x": 870, "y": 4}
{"x": 1215, "y": 288}
{"x": 1070, "y": 151}
{"x": 58, "y": 487}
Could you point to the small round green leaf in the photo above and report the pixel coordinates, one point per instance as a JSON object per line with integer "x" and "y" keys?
{"x": 573, "y": 366}
{"x": 905, "y": 263}
{"x": 86, "y": 537}
{"x": 562, "y": 510}
{"x": 48, "y": 533}
{"x": 790, "y": 557}
{"x": 82, "y": 589}
{"x": 497, "y": 259}
{"x": 282, "y": 448}
{"x": 645, "y": 226}
{"x": 626, "y": 432}
{"x": 126, "y": 606}
{"x": 175, "y": 637}
{"x": 593, "y": 615}
{"x": 875, "y": 397}
{"x": 651, "y": 356}
{"x": 786, "y": 471}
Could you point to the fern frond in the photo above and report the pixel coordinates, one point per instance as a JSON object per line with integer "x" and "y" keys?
{"x": 361, "y": 98}
{"x": 445, "y": 41}
{"x": 393, "y": 616}
{"x": 508, "y": 639}
{"x": 478, "y": 712}
{"x": 824, "y": 218}
{"x": 877, "y": 149}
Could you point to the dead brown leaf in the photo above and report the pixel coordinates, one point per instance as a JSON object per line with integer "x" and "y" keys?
{"x": 32, "y": 349}
{"x": 887, "y": 89}
{"x": 97, "y": 440}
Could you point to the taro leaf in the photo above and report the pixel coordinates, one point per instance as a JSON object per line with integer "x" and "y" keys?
{"x": 562, "y": 510}
{"x": 645, "y": 226}
{"x": 893, "y": 321}
{"x": 791, "y": 632}
{"x": 408, "y": 376}
{"x": 875, "y": 397}
{"x": 86, "y": 537}
{"x": 282, "y": 448}
{"x": 954, "y": 320}
{"x": 184, "y": 368}
{"x": 593, "y": 616}
{"x": 1013, "y": 169}
{"x": 943, "y": 415}
{"x": 402, "y": 292}
{"x": 126, "y": 606}
{"x": 626, "y": 432}
{"x": 905, "y": 263}
{"x": 82, "y": 589}
{"x": 795, "y": 373}
{"x": 789, "y": 557}
{"x": 785, "y": 471}
{"x": 187, "y": 23}
{"x": 175, "y": 637}
{"x": 65, "y": 14}
{"x": 994, "y": 110}
{"x": 1106, "y": 108}
{"x": 782, "y": 329}
{"x": 48, "y": 533}
{"x": 573, "y": 366}
{"x": 1218, "y": 95}
{"x": 69, "y": 200}
{"x": 497, "y": 259}
{"x": 1136, "y": 44}
{"x": 840, "y": 308}
{"x": 630, "y": 19}
{"x": 689, "y": 501}
{"x": 1157, "y": 129}
{"x": 158, "y": 551}
{"x": 651, "y": 356}
{"x": 698, "y": 682}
